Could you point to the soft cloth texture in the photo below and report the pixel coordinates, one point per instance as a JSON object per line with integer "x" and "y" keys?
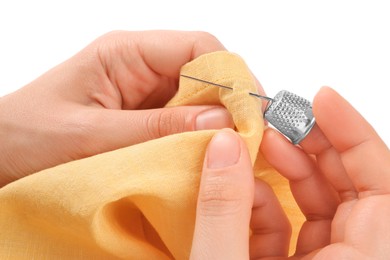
{"x": 137, "y": 202}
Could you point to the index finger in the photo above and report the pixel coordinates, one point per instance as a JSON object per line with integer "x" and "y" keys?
{"x": 162, "y": 51}
{"x": 143, "y": 66}
{"x": 365, "y": 157}
{"x": 165, "y": 52}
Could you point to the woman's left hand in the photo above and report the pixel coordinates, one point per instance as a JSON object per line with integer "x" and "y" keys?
{"x": 106, "y": 97}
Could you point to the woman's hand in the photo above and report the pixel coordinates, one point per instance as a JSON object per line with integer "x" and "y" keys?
{"x": 340, "y": 178}
{"x": 106, "y": 97}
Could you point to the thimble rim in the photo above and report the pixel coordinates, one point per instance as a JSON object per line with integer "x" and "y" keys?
{"x": 308, "y": 129}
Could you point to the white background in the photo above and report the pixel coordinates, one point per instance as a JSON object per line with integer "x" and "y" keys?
{"x": 294, "y": 45}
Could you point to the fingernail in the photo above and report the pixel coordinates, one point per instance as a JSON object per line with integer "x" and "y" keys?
{"x": 224, "y": 150}
{"x": 216, "y": 118}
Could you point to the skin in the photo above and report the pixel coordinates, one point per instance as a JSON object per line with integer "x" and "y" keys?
{"x": 339, "y": 176}
{"x": 340, "y": 180}
{"x": 110, "y": 95}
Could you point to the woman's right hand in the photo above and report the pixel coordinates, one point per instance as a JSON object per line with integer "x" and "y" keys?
{"x": 340, "y": 178}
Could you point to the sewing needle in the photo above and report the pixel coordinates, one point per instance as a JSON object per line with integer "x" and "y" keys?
{"x": 222, "y": 86}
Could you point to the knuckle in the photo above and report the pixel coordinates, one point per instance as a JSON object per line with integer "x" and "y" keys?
{"x": 218, "y": 197}
{"x": 165, "y": 122}
{"x": 111, "y": 43}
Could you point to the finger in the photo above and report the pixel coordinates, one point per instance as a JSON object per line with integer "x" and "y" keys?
{"x": 225, "y": 200}
{"x": 364, "y": 155}
{"x": 166, "y": 52}
{"x": 113, "y": 129}
{"x": 271, "y": 230}
{"x": 149, "y": 62}
{"x": 330, "y": 163}
{"x": 311, "y": 191}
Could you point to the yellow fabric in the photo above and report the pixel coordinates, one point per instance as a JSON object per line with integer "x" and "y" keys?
{"x": 137, "y": 202}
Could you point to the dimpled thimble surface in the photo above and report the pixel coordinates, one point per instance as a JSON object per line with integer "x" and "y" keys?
{"x": 291, "y": 114}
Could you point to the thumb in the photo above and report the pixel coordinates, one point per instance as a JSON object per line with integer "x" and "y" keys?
{"x": 225, "y": 200}
{"x": 114, "y": 129}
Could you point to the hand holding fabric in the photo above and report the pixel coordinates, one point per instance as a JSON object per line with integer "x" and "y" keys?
{"x": 138, "y": 202}
{"x": 106, "y": 97}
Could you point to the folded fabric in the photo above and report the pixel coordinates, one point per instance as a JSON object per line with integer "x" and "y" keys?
{"x": 138, "y": 202}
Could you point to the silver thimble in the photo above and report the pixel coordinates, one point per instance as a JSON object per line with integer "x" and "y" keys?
{"x": 290, "y": 114}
